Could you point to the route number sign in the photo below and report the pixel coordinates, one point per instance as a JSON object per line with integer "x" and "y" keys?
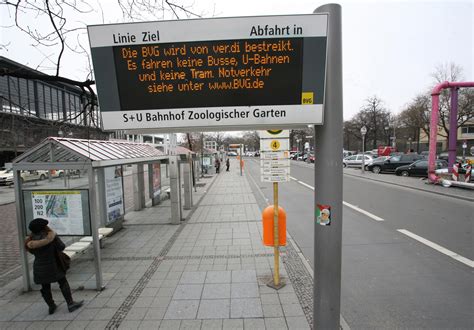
{"x": 274, "y": 157}
{"x": 275, "y": 145}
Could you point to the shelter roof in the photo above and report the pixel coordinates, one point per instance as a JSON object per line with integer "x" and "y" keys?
{"x": 100, "y": 153}
{"x": 180, "y": 150}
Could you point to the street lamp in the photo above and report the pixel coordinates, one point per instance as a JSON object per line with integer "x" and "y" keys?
{"x": 464, "y": 147}
{"x": 387, "y": 132}
{"x": 363, "y": 131}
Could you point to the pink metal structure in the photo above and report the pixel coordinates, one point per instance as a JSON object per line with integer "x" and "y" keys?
{"x": 434, "y": 124}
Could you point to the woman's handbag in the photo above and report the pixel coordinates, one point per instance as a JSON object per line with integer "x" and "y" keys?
{"x": 63, "y": 260}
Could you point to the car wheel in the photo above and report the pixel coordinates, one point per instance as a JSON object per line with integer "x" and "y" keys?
{"x": 405, "y": 173}
{"x": 366, "y": 167}
{"x": 376, "y": 169}
{"x": 42, "y": 177}
{"x": 344, "y": 165}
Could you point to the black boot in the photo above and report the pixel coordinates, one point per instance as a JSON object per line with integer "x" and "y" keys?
{"x": 74, "y": 305}
{"x": 66, "y": 291}
{"x": 48, "y": 298}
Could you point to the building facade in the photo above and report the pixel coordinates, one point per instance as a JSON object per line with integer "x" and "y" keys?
{"x": 33, "y": 109}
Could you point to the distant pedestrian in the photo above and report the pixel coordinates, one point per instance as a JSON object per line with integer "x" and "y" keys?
{"x": 227, "y": 164}
{"x": 46, "y": 246}
{"x": 217, "y": 165}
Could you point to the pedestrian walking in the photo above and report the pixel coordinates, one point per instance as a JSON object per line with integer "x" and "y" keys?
{"x": 227, "y": 164}
{"x": 218, "y": 165}
{"x": 50, "y": 263}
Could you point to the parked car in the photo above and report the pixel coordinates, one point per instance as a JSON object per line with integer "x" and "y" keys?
{"x": 385, "y": 150}
{"x": 6, "y": 178}
{"x": 425, "y": 154}
{"x": 418, "y": 168}
{"x": 347, "y": 153}
{"x": 256, "y": 154}
{"x": 445, "y": 156}
{"x": 302, "y": 157}
{"x": 390, "y": 164}
{"x": 356, "y": 160}
{"x": 295, "y": 155}
{"x": 311, "y": 158}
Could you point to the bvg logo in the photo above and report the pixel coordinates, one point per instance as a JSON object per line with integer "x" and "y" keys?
{"x": 307, "y": 98}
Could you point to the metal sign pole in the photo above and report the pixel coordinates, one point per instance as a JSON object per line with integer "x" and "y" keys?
{"x": 20, "y": 218}
{"x": 95, "y": 228}
{"x": 363, "y": 131}
{"x": 241, "y": 160}
{"x": 328, "y": 184}
{"x": 276, "y": 238}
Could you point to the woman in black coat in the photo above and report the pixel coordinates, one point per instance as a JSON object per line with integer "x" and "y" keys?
{"x": 44, "y": 244}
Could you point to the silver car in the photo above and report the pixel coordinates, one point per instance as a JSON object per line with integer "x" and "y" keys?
{"x": 356, "y": 160}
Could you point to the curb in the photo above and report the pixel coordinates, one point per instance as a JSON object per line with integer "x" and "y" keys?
{"x": 414, "y": 188}
{"x": 343, "y": 324}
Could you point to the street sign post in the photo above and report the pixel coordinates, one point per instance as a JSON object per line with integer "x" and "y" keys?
{"x": 328, "y": 186}
{"x": 363, "y": 131}
{"x": 275, "y": 168}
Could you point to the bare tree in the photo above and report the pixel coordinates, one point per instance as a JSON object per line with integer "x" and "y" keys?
{"x": 252, "y": 140}
{"x": 219, "y": 137}
{"x": 453, "y": 72}
{"x": 417, "y": 114}
{"x": 375, "y": 117}
{"x": 57, "y": 27}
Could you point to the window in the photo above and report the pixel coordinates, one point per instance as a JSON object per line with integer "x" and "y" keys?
{"x": 422, "y": 163}
{"x": 441, "y": 164}
{"x": 467, "y": 129}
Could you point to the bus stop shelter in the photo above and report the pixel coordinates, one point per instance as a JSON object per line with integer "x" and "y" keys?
{"x": 91, "y": 156}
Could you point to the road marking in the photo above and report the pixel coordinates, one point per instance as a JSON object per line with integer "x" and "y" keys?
{"x": 306, "y": 185}
{"x": 438, "y": 248}
{"x": 292, "y": 178}
{"x": 358, "y": 209}
{"x": 370, "y": 215}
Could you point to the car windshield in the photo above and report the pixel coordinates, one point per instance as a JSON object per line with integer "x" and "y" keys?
{"x": 395, "y": 158}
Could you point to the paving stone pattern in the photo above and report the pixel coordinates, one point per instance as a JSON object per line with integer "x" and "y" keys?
{"x": 210, "y": 272}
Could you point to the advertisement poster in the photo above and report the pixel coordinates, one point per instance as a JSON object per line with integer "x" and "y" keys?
{"x": 63, "y": 209}
{"x": 156, "y": 179}
{"x": 113, "y": 193}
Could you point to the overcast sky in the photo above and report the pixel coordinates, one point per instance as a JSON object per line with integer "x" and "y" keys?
{"x": 390, "y": 48}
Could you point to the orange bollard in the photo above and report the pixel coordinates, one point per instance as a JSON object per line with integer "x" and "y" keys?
{"x": 267, "y": 219}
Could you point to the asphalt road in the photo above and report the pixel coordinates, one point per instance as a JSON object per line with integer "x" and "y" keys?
{"x": 389, "y": 279}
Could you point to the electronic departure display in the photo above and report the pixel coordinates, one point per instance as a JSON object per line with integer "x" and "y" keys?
{"x": 211, "y": 74}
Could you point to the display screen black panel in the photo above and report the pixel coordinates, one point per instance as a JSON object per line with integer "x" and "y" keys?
{"x": 210, "y": 73}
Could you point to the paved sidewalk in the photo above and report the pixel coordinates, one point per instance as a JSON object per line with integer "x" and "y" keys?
{"x": 210, "y": 272}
